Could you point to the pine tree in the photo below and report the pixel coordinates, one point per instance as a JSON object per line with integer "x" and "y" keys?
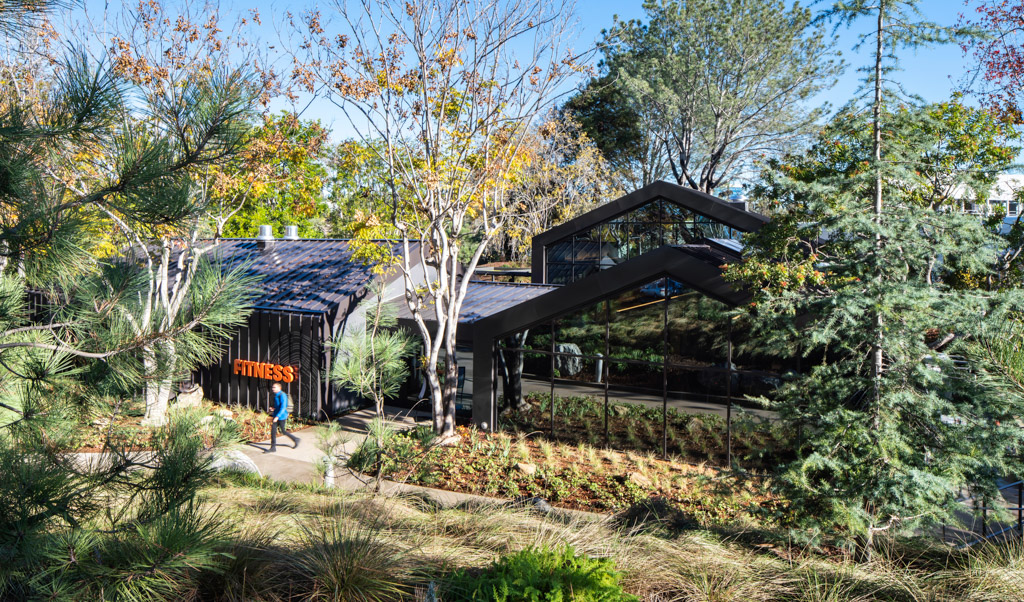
{"x": 878, "y": 293}
{"x": 92, "y": 157}
{"x": 374, "y": 364}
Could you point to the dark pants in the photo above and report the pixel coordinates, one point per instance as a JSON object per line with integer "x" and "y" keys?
{"x": 279, "y": 425}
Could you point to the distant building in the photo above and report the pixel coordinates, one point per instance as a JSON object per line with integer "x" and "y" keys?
{"x": 1003, "y": 196}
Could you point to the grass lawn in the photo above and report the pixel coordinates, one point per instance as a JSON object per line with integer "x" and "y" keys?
{"x": 298, "y": 542}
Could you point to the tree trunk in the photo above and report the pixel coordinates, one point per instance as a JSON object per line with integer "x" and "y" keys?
{"x": 512, "y": 373}
{"x": 157, "y": 390}
{"x": 877, "y": 359}
{"x": 445, "y": 420}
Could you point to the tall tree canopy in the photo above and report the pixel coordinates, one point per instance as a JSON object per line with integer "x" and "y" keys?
{"x": 718, "y": 82}
{"x": 997, "y": 75}
{"x": 278, "y": 177}
{"x": 447, "y": 97}
{"x": 863, "y": 274}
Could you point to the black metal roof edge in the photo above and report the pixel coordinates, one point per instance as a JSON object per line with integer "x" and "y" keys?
{"x": 688, "y": 198}
{"x": 521, "y": 284}
{"x": 676, "y": 262}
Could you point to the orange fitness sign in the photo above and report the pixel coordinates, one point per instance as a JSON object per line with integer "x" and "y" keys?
{"x": 285, "y": 374}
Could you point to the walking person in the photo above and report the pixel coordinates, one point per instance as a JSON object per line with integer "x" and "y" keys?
{"x": 280, "y": 414}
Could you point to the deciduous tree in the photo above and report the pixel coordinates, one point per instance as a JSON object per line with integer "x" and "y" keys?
{"x": 447, "y": 93}
{"x": 720, "y": 82}
{"x": 997, "y": 74}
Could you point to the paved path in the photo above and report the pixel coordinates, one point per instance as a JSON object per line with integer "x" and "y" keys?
{"x": 295, "y": 465}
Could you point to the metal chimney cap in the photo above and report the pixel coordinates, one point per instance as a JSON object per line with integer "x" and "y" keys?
{"x": 291, "y": 233}
{"x": 266, "y": 233}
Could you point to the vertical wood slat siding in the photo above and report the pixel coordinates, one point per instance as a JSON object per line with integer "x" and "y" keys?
{"x": 309, "y": 363}
{"x": 278, "y": 338}
{"x": 295, "y": 356}
{"x": 321, "y": 355}
{"x": 274, "y": 336}
{"x": 263, "y": 391}
{"x": 326, "y": 395}
{"x": 253, "y": 355}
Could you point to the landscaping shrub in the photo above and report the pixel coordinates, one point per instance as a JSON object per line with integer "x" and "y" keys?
{"x": 541, "y": 575}
{"x": 394, "y": 451}
{"x": 341, "y": 561}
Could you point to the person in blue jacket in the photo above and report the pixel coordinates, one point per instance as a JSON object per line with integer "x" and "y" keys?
{"x": 280, "y": 414}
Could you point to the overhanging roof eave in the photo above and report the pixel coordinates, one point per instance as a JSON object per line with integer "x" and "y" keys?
{"x": 678, "y": 263}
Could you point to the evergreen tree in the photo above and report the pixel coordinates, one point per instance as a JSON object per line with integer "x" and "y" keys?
{"x": 374, "y": 364}
{"x": 91, "y": 153}
{"x": 874, "y": 296}
{"x": 716, "y": 83}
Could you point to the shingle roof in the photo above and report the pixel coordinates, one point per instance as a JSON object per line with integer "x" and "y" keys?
{"x": 308, "y": 275}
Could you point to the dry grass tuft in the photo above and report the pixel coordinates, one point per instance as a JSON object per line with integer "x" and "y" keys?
{"x": 389, "y": 548}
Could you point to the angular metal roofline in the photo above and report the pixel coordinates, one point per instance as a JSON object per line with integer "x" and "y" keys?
{"x": 687, "y": 198}
{"x": 695, "y": 266}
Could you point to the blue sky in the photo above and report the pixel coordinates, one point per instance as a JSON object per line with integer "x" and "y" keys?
{"x": 931, "y": 73}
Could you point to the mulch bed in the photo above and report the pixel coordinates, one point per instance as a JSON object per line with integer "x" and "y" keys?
{"x": 127, "y": 427}
{"x": 576, "y": 477}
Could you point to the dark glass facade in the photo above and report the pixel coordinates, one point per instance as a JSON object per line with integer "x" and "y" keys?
{"x": 661, "y": 340}
{"x": 656, "y": 223}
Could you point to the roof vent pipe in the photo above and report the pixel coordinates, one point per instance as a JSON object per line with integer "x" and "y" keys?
{"x": 266, "y": 233}
{"x": 291, "y": 233}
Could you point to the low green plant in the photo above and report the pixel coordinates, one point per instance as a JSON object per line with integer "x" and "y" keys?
{"x": 541, "y": 575}
{"x": 384, "y": 450}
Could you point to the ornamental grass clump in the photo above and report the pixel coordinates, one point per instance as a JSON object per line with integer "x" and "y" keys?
{"x": 339, "y": 560}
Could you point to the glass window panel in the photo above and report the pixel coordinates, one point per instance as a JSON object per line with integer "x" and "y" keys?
{"x": 651, "y": 213}
{"x": 587, "y": 247}
{"x": 583, "y": 330}
{"x": 536, "y": 366}
{"x": 582, "y": 270}
{"x": 538, "y": 337}
{"x": 560, "y": 251}
{"x": 637, "y": 323}
{"x": 559, "y": 273}
{"x": 698, "y": 327}
{"x": 615, "y": 237}
{"x": 755, "y": 384}
{"x": 642, "y": 381}
{"x": 578, "y": 369}
{"x": 699, "y": 384}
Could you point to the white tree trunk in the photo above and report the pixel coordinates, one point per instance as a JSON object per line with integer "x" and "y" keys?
{"x": 157, "y": 391}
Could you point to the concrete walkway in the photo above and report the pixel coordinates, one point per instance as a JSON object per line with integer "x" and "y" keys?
{"x": 295, "y": 464}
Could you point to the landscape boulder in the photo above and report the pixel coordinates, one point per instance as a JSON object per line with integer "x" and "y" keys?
{"x": 526, "y": 468}
{"x": 568, "y": 365}
{"x": 189, "y": 398}
{"x": 234, "y": 461}
{"x": 640, "y": 480}
{"x": 534, "y": 503}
